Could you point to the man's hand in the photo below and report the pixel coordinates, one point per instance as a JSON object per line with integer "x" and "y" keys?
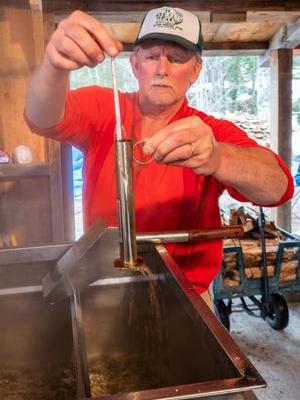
{"x": 188, "y": 142}
{"x": 252, "y": 171}
{"x": 80, "y": 40}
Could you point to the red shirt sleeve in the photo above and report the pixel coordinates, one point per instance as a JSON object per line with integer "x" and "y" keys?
{"x": 228, "y": 132}
{"x": 87, "y": 111}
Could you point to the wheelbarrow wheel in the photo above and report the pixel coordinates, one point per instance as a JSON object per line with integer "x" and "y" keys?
{"x": 279, "y": 318}
{"x": 223, "y": 313}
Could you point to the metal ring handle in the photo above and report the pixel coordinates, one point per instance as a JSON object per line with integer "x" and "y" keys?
{"x": 143, "y": 162}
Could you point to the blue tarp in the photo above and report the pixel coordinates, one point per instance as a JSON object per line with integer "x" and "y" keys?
{"x": 77, "y": 172}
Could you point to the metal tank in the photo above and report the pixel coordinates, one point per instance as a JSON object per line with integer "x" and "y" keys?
{"x": 145, "y": 335}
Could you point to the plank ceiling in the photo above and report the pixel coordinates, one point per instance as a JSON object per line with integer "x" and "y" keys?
{"x": 252, "y": 26}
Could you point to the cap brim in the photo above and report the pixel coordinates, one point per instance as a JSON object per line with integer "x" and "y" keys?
{"x": 170, "y": 38}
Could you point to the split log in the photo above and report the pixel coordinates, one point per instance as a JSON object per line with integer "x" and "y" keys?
{"x": 252, "y": 261}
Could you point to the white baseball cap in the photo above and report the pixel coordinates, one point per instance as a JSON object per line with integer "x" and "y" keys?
{"x": 174, "y": 25}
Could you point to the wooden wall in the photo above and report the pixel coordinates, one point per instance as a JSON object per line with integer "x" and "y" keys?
{"x": 18, "y": 59}
{"x": 30, "y": 201}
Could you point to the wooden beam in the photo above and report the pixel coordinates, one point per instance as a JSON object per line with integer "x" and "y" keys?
{"x": 278, "y": 41}
{"x": 216, "y": 6}
{"x": 293, "y": 34}
{"x": 56, "y": 189}
{"x": 61, "y": 182}
{"x": 226, "y": 48}
{"x": 235, "y": 46}
{"x": 217, "y": 49}
{"x": 287, "y": 37}
{"x": 16, "y": 171}
{"x": 15, "y": 3}
{"x": 223, "y": 17}
{"x": 204, "y": 16}
{"x": 124, "y": 16}
{"x": 233, "y": 52}
{"x": 281, "y": 17}
{"x": 36, "y": 5}
{"x": 37, "y": 27}
{"x": 126, "y": 32}
{"x": 281, "y": 123}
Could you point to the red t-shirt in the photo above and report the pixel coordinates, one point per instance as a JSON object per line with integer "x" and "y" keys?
{"x": 166, "y": 197}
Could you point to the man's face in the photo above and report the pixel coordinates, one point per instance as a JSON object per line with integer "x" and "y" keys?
{"x": 164, "y": 72}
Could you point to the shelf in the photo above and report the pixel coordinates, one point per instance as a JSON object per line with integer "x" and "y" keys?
{"x": 19, "y": 171}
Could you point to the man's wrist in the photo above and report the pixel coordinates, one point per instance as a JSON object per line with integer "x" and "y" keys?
{"x": 52, "y": 72}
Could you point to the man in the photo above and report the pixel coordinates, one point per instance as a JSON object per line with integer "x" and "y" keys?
{"x": 195, "y": 156}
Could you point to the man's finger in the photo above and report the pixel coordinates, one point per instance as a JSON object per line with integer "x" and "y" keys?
{"x": 60, "y": 61}
{"x": 97, "y": 30}
{"x": 186, "y": 125}
{"x": 181, "y": 153}
{"x": 85, "y": 42}
{"x": 183, "y": 140}
{"x": 70, "y": 49}
{"x": 152, "y": 143}
{"x": 192, "y": 162}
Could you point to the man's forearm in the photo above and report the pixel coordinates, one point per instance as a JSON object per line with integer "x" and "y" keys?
{"x": 45, "y": 100}
{"x": 79, "y": 40}
{"x": 252, "y": 171}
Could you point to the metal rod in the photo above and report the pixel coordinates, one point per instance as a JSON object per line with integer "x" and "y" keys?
{"x": 126, "y": 209}
{"x": 265, "y": 278}
{"x": 162, "y": 237}
{"x": 194, "y": 235}
{"x": 116, "y": 101}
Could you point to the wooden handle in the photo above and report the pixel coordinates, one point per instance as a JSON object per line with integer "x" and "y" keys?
{"x": 225, "y": 232}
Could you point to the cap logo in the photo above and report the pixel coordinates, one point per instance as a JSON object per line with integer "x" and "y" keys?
{"x": 169, "y": 18}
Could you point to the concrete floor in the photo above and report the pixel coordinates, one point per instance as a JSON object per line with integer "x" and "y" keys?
{"x": 275, "y": 354}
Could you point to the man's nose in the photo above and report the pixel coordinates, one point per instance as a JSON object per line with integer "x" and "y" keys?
{"x": 163, "y": 66}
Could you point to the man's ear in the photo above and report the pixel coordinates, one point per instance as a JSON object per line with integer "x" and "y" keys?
{"x": 133, "y": 62}
{"x": 196, "y": 72}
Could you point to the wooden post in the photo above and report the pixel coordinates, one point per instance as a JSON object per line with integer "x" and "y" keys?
{"x": 60, "y": 163}
{"x": 281, "y": 118}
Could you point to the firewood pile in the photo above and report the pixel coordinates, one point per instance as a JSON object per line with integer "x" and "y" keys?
{"x": 252, "y": 252}
{"x": 255, "y": 128}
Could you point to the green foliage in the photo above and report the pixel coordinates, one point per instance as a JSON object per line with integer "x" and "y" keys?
{"x": 296, "y": 109}
{"x": 230, "y": 84}
{"x": 101, "y": 75}
{"x": 240, "y": 75}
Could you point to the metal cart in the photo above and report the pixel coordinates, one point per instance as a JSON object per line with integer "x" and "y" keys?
{"x": 260, "y": 297}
